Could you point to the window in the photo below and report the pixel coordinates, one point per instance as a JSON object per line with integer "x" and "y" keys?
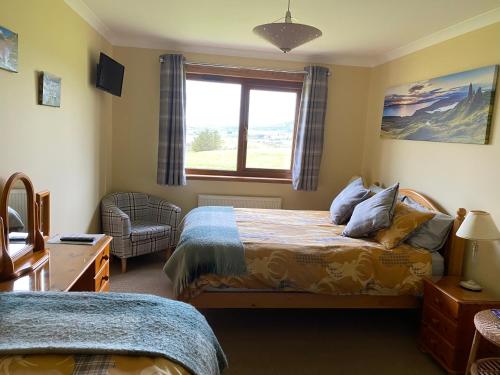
{"x": 240, "y": 126}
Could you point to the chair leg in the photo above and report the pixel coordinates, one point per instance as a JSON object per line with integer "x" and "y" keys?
{"x": 124, "y": 265}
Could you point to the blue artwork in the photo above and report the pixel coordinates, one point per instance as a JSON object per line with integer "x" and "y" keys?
{"x": 50, "y": 90}
{"x": 455, "y": 108}
{"x": 8, "y": 50}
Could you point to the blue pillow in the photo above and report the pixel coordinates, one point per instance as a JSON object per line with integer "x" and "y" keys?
{"x": 374, "y": 189}
{"x": 344, "y": 203}
{"x": 373, "y": 214}
{"x": 433, "y": 234}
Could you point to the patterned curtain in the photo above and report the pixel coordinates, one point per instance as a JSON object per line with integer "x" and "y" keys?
{"x": 310, "y": 129}
{"x": 172, "y": 134}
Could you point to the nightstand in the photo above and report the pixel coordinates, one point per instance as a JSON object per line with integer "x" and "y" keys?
{"x": 447, "y": 325}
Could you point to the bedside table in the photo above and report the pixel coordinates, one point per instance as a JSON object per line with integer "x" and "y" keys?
{"x": 447, "y": 325}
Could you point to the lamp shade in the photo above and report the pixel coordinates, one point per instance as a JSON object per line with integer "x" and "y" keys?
{"x": 287, "y": 35}
{"x": 478, "y": 225}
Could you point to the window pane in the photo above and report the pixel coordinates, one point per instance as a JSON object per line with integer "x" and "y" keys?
{"x": 212, "y": 125}
{"x": 271, "y": 119}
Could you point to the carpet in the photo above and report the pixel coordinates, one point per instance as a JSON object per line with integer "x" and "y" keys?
{"x": 298, "y": 342}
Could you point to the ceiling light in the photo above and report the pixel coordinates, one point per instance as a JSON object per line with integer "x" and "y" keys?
{"x": 287, "y": 35}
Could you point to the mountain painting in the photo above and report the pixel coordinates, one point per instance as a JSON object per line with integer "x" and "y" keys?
{"x": 456, "y": 108}
{"x": 8, "y": 50}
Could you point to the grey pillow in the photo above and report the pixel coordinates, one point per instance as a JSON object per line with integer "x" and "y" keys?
{"x": 374, "y": 189}
{"x": 344, "y": 203}
{"x": 433, "y": 234}
{"x": 373, "y": 214}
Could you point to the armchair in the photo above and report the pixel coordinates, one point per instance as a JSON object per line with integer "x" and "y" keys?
{"x": 139, "y": 224}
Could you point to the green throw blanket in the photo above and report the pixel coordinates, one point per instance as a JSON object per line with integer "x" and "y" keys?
{"x": 108, "y": 323}
{"x": 209, "y": 243}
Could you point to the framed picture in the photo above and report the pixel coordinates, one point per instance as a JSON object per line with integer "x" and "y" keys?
{"x": 49, "y": 91}
{"x": 455, "y": 108}
{"x": 8, "y": 50}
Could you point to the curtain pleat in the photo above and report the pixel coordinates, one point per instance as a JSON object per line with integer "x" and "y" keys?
{"x": 172, "y": 127}
{"x": 310, "y": 129}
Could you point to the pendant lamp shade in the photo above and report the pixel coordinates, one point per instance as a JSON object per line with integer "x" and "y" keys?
{"x": 287, "y": 35}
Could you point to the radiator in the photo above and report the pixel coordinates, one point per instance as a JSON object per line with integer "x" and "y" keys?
{"x": 18, "y": 200}
{"x": 238, "y": 201}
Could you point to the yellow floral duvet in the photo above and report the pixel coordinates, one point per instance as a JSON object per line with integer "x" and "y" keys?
{"x": 88, "y": 365}
{"x": 291, "y": 250}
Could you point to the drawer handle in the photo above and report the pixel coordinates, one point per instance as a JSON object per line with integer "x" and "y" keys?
{"x": 104, "y": 279}
{"x": 105, "y": 257}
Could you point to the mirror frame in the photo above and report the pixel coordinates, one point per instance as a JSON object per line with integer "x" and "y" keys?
{"x": 6, "y": 264}
{"x": 43, "y": 214}
{"x": 35, "y": 239}
{"x": 23, "y": 262}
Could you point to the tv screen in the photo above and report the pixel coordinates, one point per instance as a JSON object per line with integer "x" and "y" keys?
{"x": 110, "y": 75}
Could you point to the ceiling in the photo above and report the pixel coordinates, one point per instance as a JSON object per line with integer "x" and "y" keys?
{"x": 356, "y": 32}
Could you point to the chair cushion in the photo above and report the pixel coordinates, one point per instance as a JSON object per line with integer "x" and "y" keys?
{"x": 142, "y": 230}
{"x": 135, "y": 205}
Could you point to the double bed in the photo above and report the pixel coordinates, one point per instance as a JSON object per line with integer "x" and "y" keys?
{"x": 299, "y": 259}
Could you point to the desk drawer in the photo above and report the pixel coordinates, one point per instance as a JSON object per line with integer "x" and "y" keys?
{"x": 440, "y": 301}
{"x": 439, "y": 323}
{"x": 101, "y": 259}
{"x": 102, "y": 277}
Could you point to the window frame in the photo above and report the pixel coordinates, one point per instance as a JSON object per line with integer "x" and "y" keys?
{"x": 248, "y": 79}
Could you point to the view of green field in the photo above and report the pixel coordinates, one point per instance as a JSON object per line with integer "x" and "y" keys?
{"x": 213, "y": 125}
{"x": 269, "y": 158}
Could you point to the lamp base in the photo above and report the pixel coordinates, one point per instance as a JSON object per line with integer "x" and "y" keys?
{"x": 471, "y": 285}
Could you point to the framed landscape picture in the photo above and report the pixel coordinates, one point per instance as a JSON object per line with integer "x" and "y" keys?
{"x": 455, "y": 108}
{"x": 8, "y": 50}
{"x": 49, "y": 91}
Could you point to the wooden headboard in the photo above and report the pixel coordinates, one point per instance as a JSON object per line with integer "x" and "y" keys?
{"x": 453, "y": 250}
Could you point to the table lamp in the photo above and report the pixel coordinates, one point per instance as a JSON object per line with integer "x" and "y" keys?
{"x": 477, "y": 226}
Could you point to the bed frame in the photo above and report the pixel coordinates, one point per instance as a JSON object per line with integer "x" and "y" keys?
{"x": 452, "y": 251}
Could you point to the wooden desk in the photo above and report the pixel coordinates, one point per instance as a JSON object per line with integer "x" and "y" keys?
{"x": 69, "y": 268}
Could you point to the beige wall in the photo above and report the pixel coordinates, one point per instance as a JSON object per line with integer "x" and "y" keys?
{"x": 135, "y": 134}
{"x": 65, "y": 150}
{"x": 455, "y": 175}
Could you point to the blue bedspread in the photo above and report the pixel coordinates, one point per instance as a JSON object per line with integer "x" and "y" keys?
{"x": 111, "y": 323}
{"x": 209, "y": 243}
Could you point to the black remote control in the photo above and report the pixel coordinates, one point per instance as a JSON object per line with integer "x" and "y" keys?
{"x": 77, "y": 239}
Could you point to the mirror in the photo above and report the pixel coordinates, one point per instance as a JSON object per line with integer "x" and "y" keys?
{"x": 21, "y": 226}
{"x": 17, "y": 219}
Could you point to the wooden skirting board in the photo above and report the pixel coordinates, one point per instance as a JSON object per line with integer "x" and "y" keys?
{"x": 290, "y": 300}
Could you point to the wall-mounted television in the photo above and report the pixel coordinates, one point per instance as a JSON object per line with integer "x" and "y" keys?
{"x": 110, "y": 75}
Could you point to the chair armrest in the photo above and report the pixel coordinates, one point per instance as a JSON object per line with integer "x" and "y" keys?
{"x": 164, "y": 212}
{"x": 115, "y": 222}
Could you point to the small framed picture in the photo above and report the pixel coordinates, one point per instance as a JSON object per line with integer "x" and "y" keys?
{"x": 8, "y": 50}
{"x": 49, "y": 90}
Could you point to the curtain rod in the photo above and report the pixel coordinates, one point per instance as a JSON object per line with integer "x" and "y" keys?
{"x": 195, "y": 63}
